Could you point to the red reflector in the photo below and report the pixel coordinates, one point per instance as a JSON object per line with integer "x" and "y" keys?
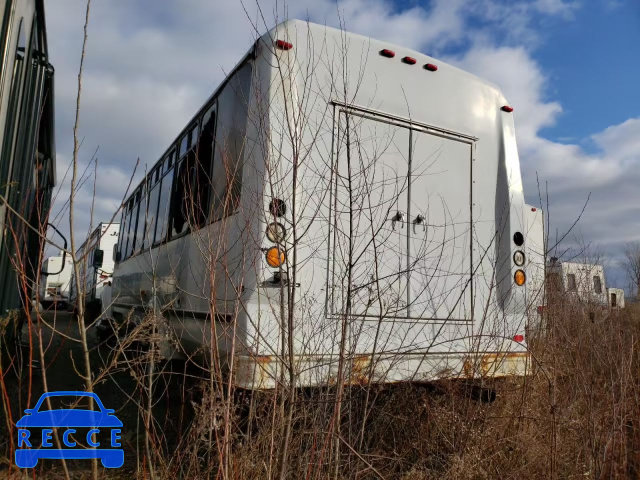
{"x": 507, "y": 109}
{"x": 282, "y": 45}
{"x": 102, "y": 277}
{"x": 540, "y": 309}
{"x": 387, "y": 53}
{"x": 518, "y": 338}
{"x": 409, "y": 60}
{"x": 431, "y": 67}
{"x": 533, "y": 209}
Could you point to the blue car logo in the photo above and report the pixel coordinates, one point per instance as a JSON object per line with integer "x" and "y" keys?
{"x": 95, "y": 428}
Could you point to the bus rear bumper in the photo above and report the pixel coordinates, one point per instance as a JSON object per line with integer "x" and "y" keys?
{"x": 265, "y": 372}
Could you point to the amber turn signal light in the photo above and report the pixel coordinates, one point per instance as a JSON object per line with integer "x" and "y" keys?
{"x": 275, "y": 257}
{"x": 519, "y": 277}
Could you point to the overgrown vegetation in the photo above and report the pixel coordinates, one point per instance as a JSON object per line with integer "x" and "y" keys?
{"x": 575, "y": 416}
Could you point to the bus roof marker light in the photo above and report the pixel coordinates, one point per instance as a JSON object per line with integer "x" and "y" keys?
{"x": 282, "y": 45}
{"x": 387, "y": 53}
{"x": 431, "y": 67}
{"x": 507, "y": 108}
{"x": 409, "y": 60}
{"x": 518, "y": 338}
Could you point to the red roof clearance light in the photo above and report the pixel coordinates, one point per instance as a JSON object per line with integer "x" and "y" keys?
{"x": 518, "y": 338}
{"x": 431, "y": 67}
{"x": 409, "y": 60}
{"x": 282, "y": 45}
{"x": 387, "y": 53}
{"x": 507, "y": 109}
{"x": 534, "y": 209}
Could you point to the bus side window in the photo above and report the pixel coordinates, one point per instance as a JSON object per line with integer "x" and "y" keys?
{"x": 184, "y": 145}
{"x": 163, "y": 207}
{"x": 182, "y": 198}
{"x": 202, "y": 173}
{"x": 152, "y": 212}
{"x": 123, "y": 229}
{"x": 142, "y": 220}
{"x": 126, "y": 240}
{"x": 133, "y": 224}
{"x": 231, "y": 132}
{"x": 180, "y": 203}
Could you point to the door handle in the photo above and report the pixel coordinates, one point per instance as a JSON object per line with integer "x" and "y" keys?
{"x": 398, "y": 217}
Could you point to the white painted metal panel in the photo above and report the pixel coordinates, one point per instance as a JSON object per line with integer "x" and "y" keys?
{"x": 439, "y": 228}
{"x": 369, "y": 235}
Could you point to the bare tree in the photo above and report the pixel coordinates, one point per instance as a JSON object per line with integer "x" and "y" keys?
{"x": 631, "y": 264}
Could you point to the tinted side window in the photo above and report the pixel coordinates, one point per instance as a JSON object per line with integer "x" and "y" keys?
{"x": 133, "y": 224}
{"x": 123, "y": 230}
{"x": 163, "y": 207}
{"x": 132, "y": 231}
{"x": 180, "y": 198}
{"x": 126, "y": 240}
{"x": 142, "y": 221}
{"x": 169, "y": 161}
{"x": 204, "y": 163}
{"x": 152, "y": 215}
{"x": 230, "y": 143}
{"x": 184, "y": 145}
{"x": 571, "y": 282}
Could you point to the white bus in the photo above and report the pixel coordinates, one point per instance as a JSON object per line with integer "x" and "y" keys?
{"x": 96, "y": 267}
{"x": 339, "y": 210}
{"x": 54, "y": 280}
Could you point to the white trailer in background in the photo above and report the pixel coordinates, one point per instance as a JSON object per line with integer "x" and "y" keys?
{"x": 54, "y": 280}
{"x": 96, "y": 267}
{"x": 616, "y": 297}
{"x": 339, "y": 210}
{"x": 583, "y": 282}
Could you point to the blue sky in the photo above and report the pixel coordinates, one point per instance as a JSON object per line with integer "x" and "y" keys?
{"x": 569, "y": 67}
{"x": 590, "y": 61}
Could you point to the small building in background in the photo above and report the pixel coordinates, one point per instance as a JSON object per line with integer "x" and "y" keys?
{"x": 583, "y": 281}
{"x": 616, "y": 297}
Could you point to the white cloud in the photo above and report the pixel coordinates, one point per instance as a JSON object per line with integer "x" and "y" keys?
{"x": 610, "y": 173}
{"x": 522, "y": 82}
{"x": 621, "y": 141}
